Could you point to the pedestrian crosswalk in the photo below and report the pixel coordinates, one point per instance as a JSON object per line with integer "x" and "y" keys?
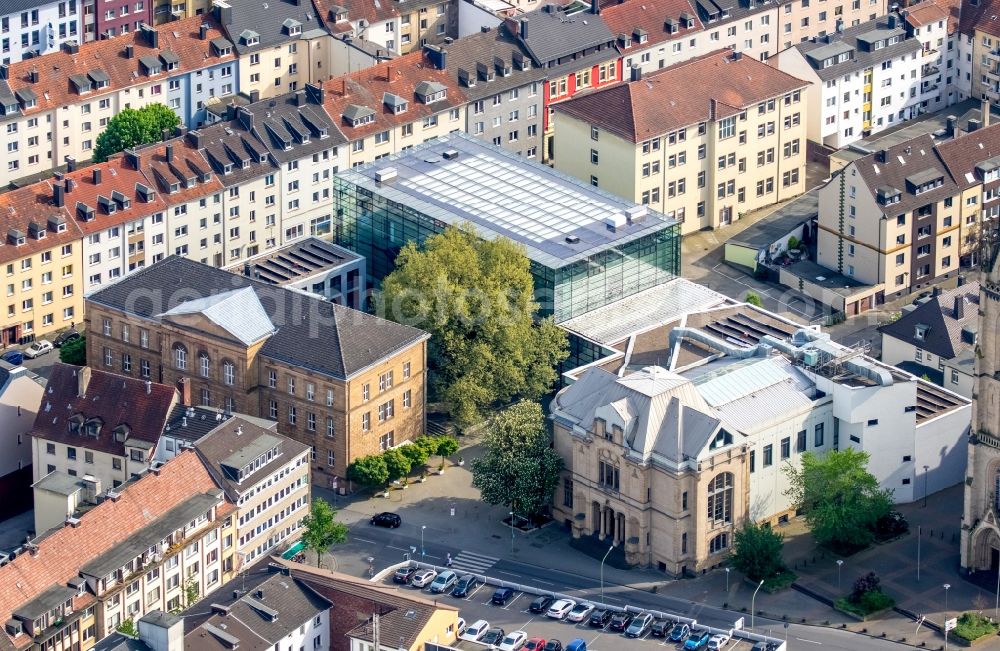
{"x": 472, "y": 562}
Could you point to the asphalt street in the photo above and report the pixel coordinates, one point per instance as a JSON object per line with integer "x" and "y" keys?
{"x": 388, "y": 547}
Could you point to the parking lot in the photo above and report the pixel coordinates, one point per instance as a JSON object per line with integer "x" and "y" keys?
{"x": 516, "y": 616}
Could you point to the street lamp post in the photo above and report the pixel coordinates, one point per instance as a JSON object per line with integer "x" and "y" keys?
{"x": 947, "y": 586}
{"x": 752, "y": 611}
{"x": 602, "y": 570}
{"x": 423, "y": 550}
{"x": 511, "y": 532}
{"x": 727, "y": 581}
{"x": 926, "y": 468}
{"x": 840, "y": 564}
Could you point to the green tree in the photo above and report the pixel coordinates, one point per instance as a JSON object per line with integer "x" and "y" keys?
{"x": 841, "y": 500}
{"x": 396, "y": 463}
{"x": 74, "y": 352}
{"x": 757, "y": 551}
{"x": 134, "y": 127}
{"x": 753, "y": 299}
{"x": 322, "y": 529}
{"x": 369, "y": 471}
{"x": 127, "y": 627}
{"x": 416, "y": 454}
{"x": 519, "y": 467}
{"x": 446, "y": 446}
{"x": 476, "y": 299}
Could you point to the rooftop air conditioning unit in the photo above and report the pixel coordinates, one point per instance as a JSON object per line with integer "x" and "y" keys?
{"x": 386, "y": 174}
{"x": 616, "y": 220}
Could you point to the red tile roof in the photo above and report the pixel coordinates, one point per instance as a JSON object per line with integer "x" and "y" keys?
{"x": 19, "y": 208}
{"x": 54, "y": 88}
{"x": 186, "y": 163}
{"x": 115, "y": 399}
{"x": 650, "y": 15}
{"x": 400, "y": 77}
{"x": 60, "y": 555}
{"x": 116, "y": 176}
{"x": 982, "y": 16}
{"x": 652, "y": 106}
{"x": 931, "y": 11}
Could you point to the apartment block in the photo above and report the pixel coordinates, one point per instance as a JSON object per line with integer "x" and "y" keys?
{"x": 907, "y": 216}
{"x": 425, "y": 22}
{"x": 99, "y": 424}
{"x": 266, "y": 475}
{"x": 105, "y": 20}
{"x": 733, "y": 146}
{"x": 396, "y": 105}
{"x": 934, "y": 27}
{"x": 376, "y": 23}
{"x": 801, "y": 20}
{"x": 864, "y": 79}
{"x": 43, "y": 266}
{"x": 654, "y": 34}
{"x": 20, "y": 394}
{"x": 54, "y": 107}
{"x": 281, "y": 47}
{"x": 503, "y": 87}
{"x": 30, "y": 29}
{"x": 153, "y": 544}
{"x": 243, "y": 346}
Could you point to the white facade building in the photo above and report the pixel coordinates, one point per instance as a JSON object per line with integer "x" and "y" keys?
{"x": 31, "y": 29}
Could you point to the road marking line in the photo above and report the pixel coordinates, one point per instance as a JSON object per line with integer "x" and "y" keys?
{"x": 399, "y": 549}
{"x": 511, "y": 602}
{"x": 370, "y": 542}
{"x": 809, "y": 641}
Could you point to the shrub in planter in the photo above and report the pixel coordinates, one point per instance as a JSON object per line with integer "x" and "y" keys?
{"x": 972, "y": 626}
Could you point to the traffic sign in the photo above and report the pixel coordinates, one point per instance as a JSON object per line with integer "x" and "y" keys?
{"x": 738, "y": 625}
{"x": 949, "y": 624}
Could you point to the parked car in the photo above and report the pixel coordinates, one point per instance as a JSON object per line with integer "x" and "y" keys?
{"x": 577, "y": 645}
{"x": 661, "y": 628}
{"x": 535, "y": 644}
{"x": 553, "y": 645}
{"x": 680, "y": 632}
{"x": 600, "y": 618}
{"x": 718, "y": 641}
{"x": 14, "y": 357}
{"x": 493, "y": 637}
{"x": 580, "y": 613}
{"x": 460, "y": 627}
{"x": 620, "y": 621}
{"x": 465, "y": 586}
{"x": 541, "y": 603}
{"x": 561, "y": 608}
{"x": 404, "y": 575}
{"x": 639, "y": 626}
{"x": 502, "y": 595}
{"x": 387, "y": 520}
{"x": 697, "y": 641}
{"x": 476, "y": 630}
{"x": 423, "y": 578}
{"x": 65, "y": 338}
{"x": 514, "y": 641}
{"x": 444, "y": 582}
{"x": 37, "y": 348}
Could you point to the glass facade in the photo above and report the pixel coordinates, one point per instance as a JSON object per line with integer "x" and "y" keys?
{"x": 373, "y": 226}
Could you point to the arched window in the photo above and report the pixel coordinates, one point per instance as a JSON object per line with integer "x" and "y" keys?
{"x": 228, "y": 372}
{"x": 720, "y": 498}
{"x": 180, "y": 356}
{"x": 718, "y": 544}
{"x": 204, "y": 364}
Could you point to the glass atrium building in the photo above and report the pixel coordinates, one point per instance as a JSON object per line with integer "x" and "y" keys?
{"x": 587, "y": 247}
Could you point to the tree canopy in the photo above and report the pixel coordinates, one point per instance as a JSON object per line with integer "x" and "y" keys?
{"x": 519, "y": 467}
{"x": 841, "y": 500}
{"x": 74, "y": 352}
{"x": 369, "y": 471}
{"x": 757, "y": 551}
{"x": 322, "y": 529}
{"x": 476, "y": 299}
{"x": 396, "y": 463}
{"x": 134, "y": 127}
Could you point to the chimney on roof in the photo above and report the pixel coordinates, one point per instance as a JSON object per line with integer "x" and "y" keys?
{"x": 986, "y": 113}
{"x": 300, "y": 97}
{"x": 58, "y": 195}
{"x": 70, "y": 184}
{"x": 524, "y": 28}
{"x": 892, "y": 21}
{"x": 70, "y": 164}
{"x": 82, "y": 380}
{"x": 33, "y": 75}
{"x": 184, "y": 387}
{"x": 960, "y": 280}
{"x": 97, "y": 176}
{"x": 133, "y": 158}
{"x": 170, "y": 153}
{"x": 203, "y": 31}
{"x": 711, "y": 108}
{"x": 595, "y": 7}
{"x": 881, "y": 156}
{"x": 129, "y": 51}
{"x": 936, "y": 291}
{"x": 951, "y": 123}
{"x": 153, "y": 38}
{"x": 149, "y": 387}
{"x": 388, "y": 73}
{"x": 959, "y": 308}
{"x": 972, "y": 125}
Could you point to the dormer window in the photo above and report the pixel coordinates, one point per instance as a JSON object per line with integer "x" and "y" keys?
{"x": 151, "y": 65}
{"x": 292, "y": 27}
{"x": 722, "y": 439}
{"x": 75, "y": 424}
{"x": 250, "y": 37}
{"x": 170, "y": 60}
{"x": 93, "y": 427}
{"x": 227, "y": 168}
{"x": 920, "y": 331}
{"x": 27, "y": 98}
{"x": 16, "y": 237}
{"x": 191, "y": 181}
{"x": 429, "y": 92}
{"x": 175, "y": 187}
{"x": 640, "y": 36}
{"x": 222, "y": 47}
{"x": 356, "y": 116}
{"x": 100, "y": 79}
{"x": 57, "y": 223}
{"x": 395, "y": 103}
{"x": 121, "y": 433}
